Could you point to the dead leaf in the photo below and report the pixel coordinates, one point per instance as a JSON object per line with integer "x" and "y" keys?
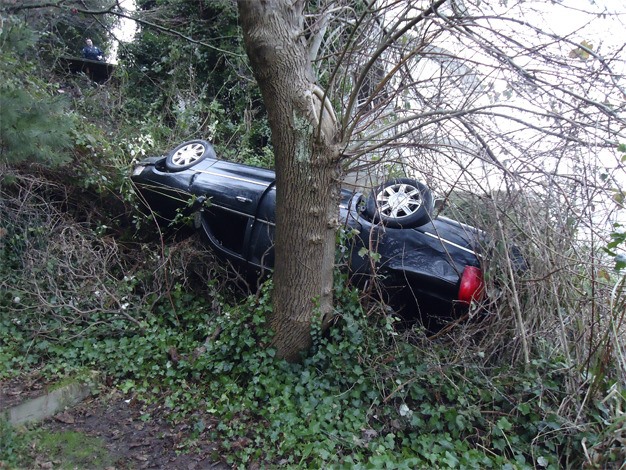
{"x": 65, "y": 417}
{"x": 581, "y": 52}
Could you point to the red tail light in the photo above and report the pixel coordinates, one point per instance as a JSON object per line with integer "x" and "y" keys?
{"x": 472, "y": 285}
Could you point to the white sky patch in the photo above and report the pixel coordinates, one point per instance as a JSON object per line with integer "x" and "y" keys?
{"x": 124, "y": 31}
{"x": 597, "y": 23}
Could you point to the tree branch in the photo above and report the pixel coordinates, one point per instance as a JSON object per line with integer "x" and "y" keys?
{"x": 111, "y": 10}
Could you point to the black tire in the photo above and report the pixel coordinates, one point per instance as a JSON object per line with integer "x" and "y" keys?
{"x": 400, "y": 203}
{"x": 188, "y": 154}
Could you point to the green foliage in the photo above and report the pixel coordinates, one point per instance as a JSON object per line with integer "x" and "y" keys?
{"x": 370, "y": 394}
{"x": 73, "y": 449}
{"x": 608, "y": 425}
{"x": 618, "y": 240}
{"x": 201, "y": 89}
{"x": 63, "y": 29}
{"x": 35, "y": 125}
{"x": 12, "y": 445}
{"x": 364, "y": 397}
{"x": 21, "y": 448}
{"x": 615, "y": 248}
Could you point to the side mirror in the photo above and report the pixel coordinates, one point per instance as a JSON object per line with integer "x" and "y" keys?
{"x": 439, "y": 204}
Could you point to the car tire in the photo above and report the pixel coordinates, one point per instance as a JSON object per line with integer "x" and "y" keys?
{"x": 188, "y": 154}
{"x": 400, "y": 203}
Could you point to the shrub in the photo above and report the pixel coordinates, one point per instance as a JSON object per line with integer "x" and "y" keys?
{"x": 35, "y": 122}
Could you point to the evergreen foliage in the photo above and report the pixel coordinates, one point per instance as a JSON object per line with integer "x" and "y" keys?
{"x": 201, "y": 89}
{"x": 35, "y": 125}
{"x": 63, "y": 27}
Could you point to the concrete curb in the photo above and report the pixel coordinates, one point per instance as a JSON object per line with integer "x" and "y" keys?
{"x": 40, "y": 408}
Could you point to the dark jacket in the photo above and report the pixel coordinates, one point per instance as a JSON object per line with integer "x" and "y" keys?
{"x": 92, "y": 53}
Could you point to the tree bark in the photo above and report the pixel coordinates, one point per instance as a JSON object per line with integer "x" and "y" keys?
{"x": 307, "y": 170}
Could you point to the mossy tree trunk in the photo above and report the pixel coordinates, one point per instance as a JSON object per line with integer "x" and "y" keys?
{"x": 307, "y": 169}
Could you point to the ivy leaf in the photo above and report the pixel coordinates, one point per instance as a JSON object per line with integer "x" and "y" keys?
{"x": 523, "y": 408}
{"x": 504, "y": 424}
{"x": 451, "y": 460}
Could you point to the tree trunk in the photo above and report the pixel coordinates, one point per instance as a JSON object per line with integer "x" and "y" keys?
{"x": 307, "y": 169}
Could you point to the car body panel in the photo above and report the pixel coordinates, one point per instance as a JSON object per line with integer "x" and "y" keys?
{"x": 238, "y": 222}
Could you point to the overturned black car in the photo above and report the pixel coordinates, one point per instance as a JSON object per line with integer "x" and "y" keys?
{"x": 428, "y": 265}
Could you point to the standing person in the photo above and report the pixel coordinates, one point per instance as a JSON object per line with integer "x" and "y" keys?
{"x": 92, "y": 52}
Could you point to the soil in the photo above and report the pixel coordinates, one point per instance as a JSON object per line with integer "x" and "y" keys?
{"x": 137, "y": 443}
{"x": 136, "y": 436}
{"x": 16, "y": 391}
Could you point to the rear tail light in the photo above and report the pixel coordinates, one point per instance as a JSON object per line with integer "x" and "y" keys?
{"x": 472, "y": 285}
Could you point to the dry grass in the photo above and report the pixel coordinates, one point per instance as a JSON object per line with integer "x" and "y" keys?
{"x": 63, "y": 269}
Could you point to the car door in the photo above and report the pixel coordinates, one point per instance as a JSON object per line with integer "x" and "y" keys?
{"x": 260, "y": 252}
{"x": 234, "y": 192}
